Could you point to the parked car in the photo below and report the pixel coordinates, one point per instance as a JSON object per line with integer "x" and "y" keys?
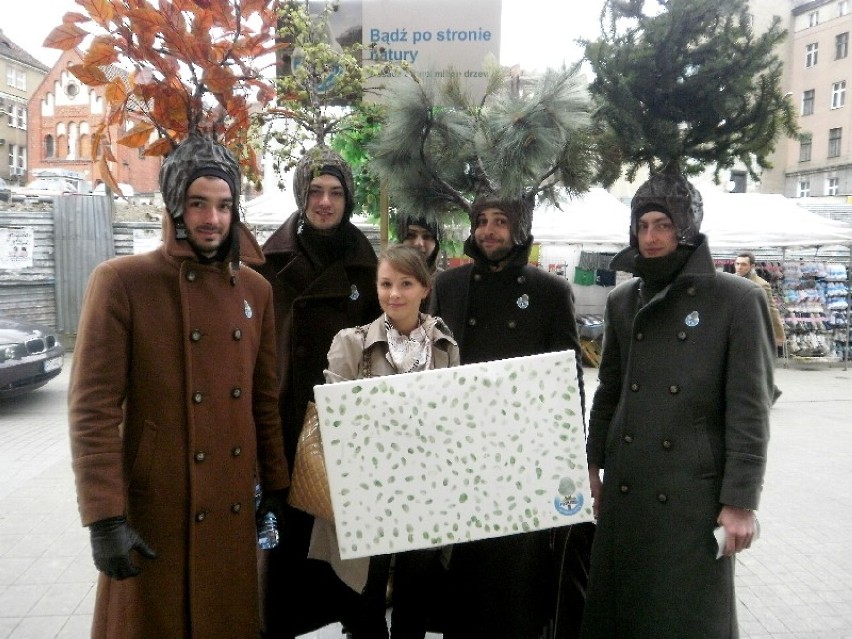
{"x": 5, "y": 191}
{"x": 126, "y": 191}
{"x": 45, "y": 189}
{"x": 30, "y": 356}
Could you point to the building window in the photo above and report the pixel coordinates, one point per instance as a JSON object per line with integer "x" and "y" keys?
{"x": 811, "y": 52}
{"x": 813, "y": 18}
{"x": 838, "y": 94}
{"x": 804, "y": 188}
{"x": 841, "y": 46}
{"x": 16, "y": 77}
{"x": 834, "y": 138}
{"x": 842, "y": 7}
{"x": 738, "y": 182}
{"x": 808, "y": 101}
{"x": 805, "y": 145}
{"x": 832, "y": 186}
{"x": 17, "y": 116}
{"x": 49, "y": 147}
{"x": 17, "y": 159}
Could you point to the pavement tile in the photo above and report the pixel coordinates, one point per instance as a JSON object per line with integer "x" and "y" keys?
{"x": 76, "y": 627}
{"x": 37, "y": 628}
{"x": 17, "y": 601}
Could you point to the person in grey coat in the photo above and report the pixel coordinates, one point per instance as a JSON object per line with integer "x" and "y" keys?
{"x": 680, "y": 426}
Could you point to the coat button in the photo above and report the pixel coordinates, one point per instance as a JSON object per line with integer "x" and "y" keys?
{"x": 236, "y": 451}
{"x": 522, "y": 279}
{"x": 233, "y": 280}
{"x": 628, "y": 439}
{"x": 238, "y": 334}
{"x": 624, "y": 488}
{"x": 236, "y": 392}
{"x": 691, "y": 291}
{"x": 191, "y": 276}
{"x": 662, "y": 498}
{"x": 681, "y": 335}
{"x": 640, "y": 337}
{"x": 512, "y": 324}
{"x": 197, "y": 397}
{"x": 667, "y": 444}
{"x": 674, "y": 389}
{"x": 235, "y": 508}
{"x": 634, "y": 387}
{"x": 471, "y": 321}
{"x": 477, "y": 277}
{"x": 195, "y": 335}
{"x": 200, "y": 456}
{"x": 199, "y": 516}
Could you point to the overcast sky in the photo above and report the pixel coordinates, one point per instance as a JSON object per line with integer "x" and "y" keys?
{"x": 535, "y": 33}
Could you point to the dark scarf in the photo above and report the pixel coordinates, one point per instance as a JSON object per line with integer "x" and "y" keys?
{"x": 325, "y": 247}
{"x": 518, "y": 256}
{"x": 659, "y": 272}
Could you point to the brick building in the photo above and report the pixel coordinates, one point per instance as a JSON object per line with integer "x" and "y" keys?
{"x": 63, "y": 114}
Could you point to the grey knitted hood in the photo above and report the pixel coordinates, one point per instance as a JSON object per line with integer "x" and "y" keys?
{"x": 194, "y": 157}
{"x": 321, "y": 160}
{"x": 672, "y": 194}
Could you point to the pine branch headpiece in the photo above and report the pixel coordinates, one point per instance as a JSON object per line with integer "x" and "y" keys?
{"x": 438, "y": 153}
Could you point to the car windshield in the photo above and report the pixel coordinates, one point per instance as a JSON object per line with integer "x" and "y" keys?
{"x": 45, "y": 184}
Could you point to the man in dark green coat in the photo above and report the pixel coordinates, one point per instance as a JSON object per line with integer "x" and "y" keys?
{"x": 679, "y": 425}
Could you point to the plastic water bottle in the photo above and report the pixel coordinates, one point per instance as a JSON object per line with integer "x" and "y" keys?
{"x": 267, "y": 530}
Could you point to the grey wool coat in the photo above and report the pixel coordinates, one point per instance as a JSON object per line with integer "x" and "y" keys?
{"x": 680, "y": 423}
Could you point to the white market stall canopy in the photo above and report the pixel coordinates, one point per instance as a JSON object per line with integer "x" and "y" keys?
{"x": 731, "y": 220}
{"x": 755, "y": 220}
{"x": 596, "y": 217}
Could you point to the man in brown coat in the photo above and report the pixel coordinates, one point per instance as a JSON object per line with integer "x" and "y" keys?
{"x": 173, "y": 411}
{"x": 744, "y": 267}
{"x": 323, "y": 275}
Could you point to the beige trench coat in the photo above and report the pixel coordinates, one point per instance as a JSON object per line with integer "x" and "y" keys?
{"x": 345, "y": 362}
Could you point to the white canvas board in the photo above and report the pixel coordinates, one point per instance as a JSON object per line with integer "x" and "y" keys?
{"x": 452, "y": 455}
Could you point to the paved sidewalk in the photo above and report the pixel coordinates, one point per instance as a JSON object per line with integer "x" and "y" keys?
{"x": 795, "y": 583}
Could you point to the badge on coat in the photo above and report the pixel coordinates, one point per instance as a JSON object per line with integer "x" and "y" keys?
{"x": 692, "y": 319}
{"x": 523, "y": 301}
{"x": 354, "y": 295}
{"x": 247, "y": 309}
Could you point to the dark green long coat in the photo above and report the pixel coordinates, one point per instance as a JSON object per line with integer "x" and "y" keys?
{"x": 680, "y": 422}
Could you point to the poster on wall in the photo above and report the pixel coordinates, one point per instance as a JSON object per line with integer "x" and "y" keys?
{"x": 17, "y": 244}
{"x": 437, "y": 38}
{"x": 444, "y": 456}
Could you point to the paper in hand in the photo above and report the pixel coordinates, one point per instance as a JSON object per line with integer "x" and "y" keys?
{"x": 719, "y": 534}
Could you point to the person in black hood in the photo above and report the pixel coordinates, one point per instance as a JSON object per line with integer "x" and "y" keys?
{"x": 680, "y": 425}
{"x": 500, "y": 307}
{"x": 323, "y": 275}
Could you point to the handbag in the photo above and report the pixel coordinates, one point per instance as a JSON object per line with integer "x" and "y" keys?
{"x": 309, "y": 489}
{"x": 309, "y": 481}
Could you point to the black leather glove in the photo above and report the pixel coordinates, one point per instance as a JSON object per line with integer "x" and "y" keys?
{"x": 273, "y": 501}
{"x": 112, "y": 540}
